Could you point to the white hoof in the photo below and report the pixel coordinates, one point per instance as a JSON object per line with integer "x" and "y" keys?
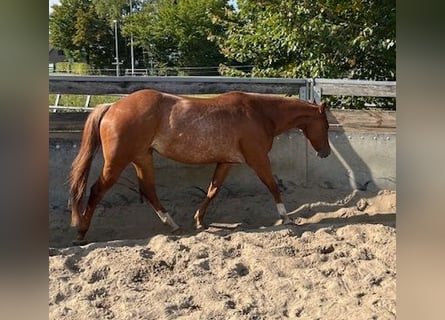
{"x": 167, "y": 219}
{"x": 282, "y": 212}
{"x": 199, "y": 226}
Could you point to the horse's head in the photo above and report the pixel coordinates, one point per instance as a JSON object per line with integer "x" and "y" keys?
{"x": 316, "y": 131}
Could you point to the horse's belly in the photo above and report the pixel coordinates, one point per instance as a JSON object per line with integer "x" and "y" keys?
{"x": 199, "y": 150}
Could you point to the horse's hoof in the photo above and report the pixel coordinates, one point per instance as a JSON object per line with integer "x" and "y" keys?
{"x": 199, "y": 226}
{"x": 286, "y": 221}
{"x": 177, "y": 230}
{"x": 78, "y": 242}
{"x": 279, "y": 222}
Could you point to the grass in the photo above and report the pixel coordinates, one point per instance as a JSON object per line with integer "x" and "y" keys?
{"x": 74, "y": 100}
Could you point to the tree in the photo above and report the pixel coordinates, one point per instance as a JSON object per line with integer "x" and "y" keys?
{"x": 323, "y": 38}
{"x": 76, "y": 27}
{"x": 177, "y": 33}
{"x": 110, "y": 9}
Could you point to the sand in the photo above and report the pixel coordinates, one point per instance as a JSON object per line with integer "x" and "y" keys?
{"x": 338, "y": 263}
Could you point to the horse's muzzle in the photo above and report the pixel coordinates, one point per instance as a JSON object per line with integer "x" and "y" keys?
{"x": 324, "y": 153}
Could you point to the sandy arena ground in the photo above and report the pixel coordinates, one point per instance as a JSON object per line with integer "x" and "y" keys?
{"x": 336, "y": 263}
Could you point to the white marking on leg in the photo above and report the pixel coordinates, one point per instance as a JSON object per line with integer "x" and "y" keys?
{"x": 166, "y": 218}
{"x": 198, "y": 223}
{"x": 282, "y": 212}
{"x": 281, "y": 209}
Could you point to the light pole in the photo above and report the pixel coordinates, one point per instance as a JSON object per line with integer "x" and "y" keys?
{"x": 131, "y": 44}
{"x": 117, "y": 48}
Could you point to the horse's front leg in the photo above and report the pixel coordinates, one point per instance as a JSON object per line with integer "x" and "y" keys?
{"x": 219, "y": 175}
{"x": 263, "y": 169}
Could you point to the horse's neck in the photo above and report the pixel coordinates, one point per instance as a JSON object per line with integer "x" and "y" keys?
{"x": 288, "y": 114}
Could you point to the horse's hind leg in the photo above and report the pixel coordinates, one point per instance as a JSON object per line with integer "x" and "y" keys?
{"x": 145, "y": 173}
{"x": 218, "y": 178}
{"x": 110, "y": 174}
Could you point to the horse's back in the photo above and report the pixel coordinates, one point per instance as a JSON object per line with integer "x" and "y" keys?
{"x": 186, "y": 129}
{"x": 200, "y": 130}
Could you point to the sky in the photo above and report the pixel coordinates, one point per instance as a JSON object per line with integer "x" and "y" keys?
{"x": 51, "y": 2}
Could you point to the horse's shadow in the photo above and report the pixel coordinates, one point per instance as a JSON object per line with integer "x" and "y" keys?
{"x": 76, "y": 253}
{"x": 386, "y": 219}
{"x": 346, "y": 171}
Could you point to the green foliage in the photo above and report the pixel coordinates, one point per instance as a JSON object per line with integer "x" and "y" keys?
{"x": 178, "y": 33}
{"x": 73, "y": 67}
{"x": 290, "y": 38}
{"x": 110, "y": 9}
{"x": 324, "y": 38}
{"x": 63, "y": 67}
{"x": 76, "y": 27}
{"x": 231, "y": 71}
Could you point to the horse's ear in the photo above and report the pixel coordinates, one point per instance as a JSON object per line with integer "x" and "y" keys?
{"x": 322, "y": 107}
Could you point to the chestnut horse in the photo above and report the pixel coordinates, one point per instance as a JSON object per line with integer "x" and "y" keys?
{"x": 234, "y": 127}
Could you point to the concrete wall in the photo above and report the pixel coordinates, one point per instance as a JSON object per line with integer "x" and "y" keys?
{"x": 365, "y": 161}
{"x": 358, "y": 160}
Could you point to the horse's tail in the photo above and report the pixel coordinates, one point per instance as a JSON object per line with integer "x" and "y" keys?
{"x": 80, "y": 168}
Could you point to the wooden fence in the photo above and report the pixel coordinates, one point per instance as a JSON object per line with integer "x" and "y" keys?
{"x": 177, "y": 85}
{"x": 342, "y": 87}
{"x": 308, "y": 89}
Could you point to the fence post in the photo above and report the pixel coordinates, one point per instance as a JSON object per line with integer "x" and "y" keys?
{"x": 302, "y": 94}
{"x": 87, "y": 101}
{"x": 317, "y": 92}
{"x": 305, "y": 94}
{"x": 311, "y": 92}
{"x": 56, "y": 103}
